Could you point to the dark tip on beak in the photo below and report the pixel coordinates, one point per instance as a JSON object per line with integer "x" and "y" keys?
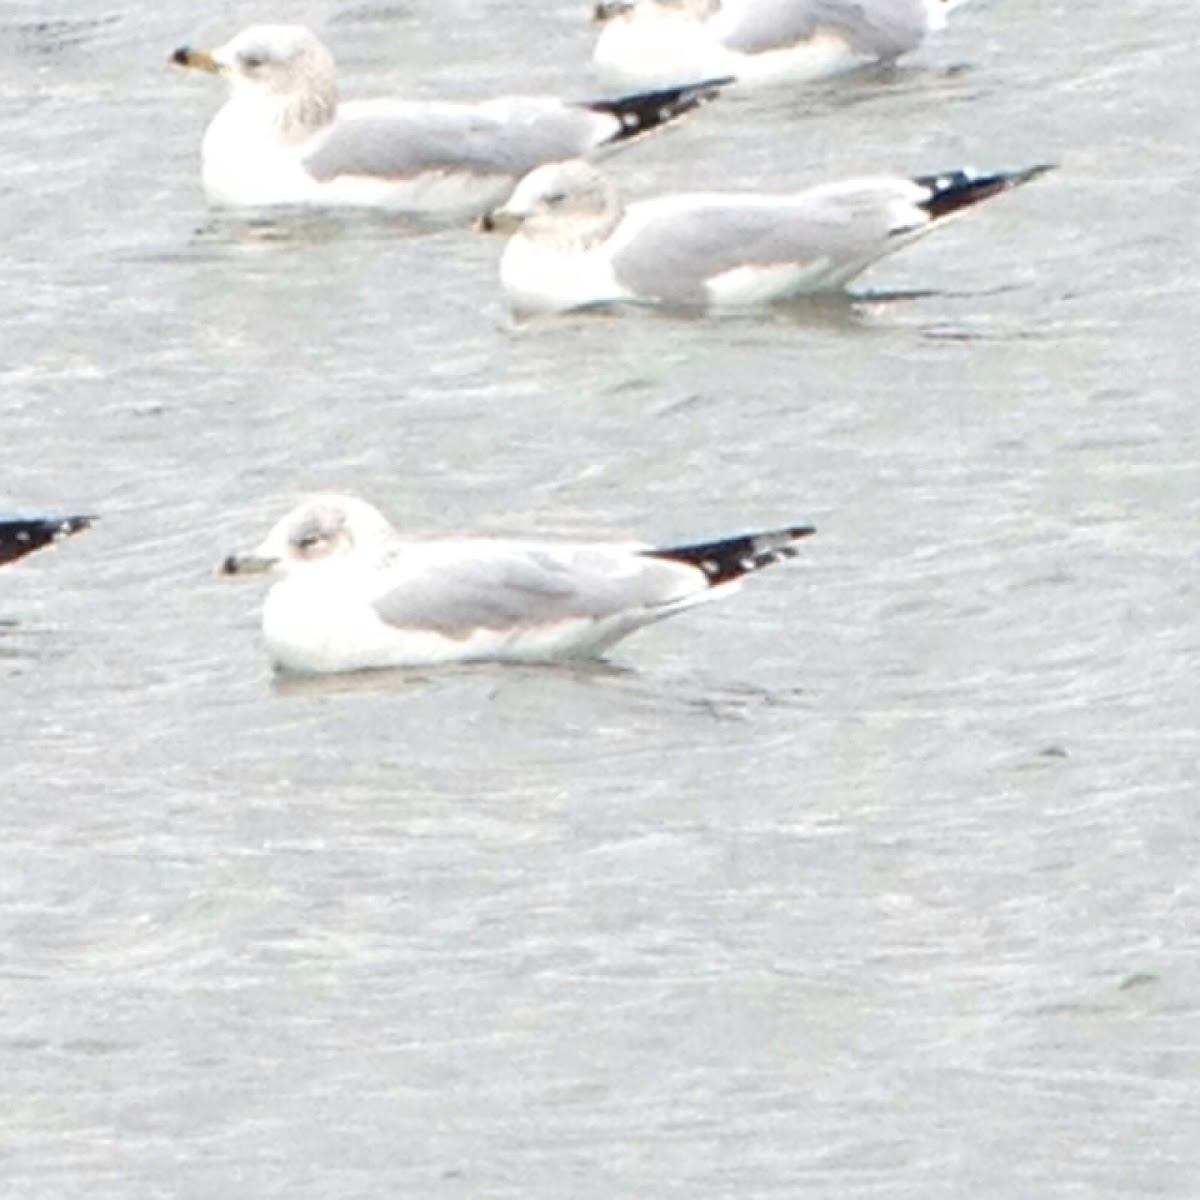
{"x": 605, "y": 10}
{"x": 196, "y": 60}
{"x": 246, "y": 564}
{"x": 499, "y": 220}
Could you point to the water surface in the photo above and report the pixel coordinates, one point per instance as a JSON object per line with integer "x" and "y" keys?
{"x": 878, "y": 880}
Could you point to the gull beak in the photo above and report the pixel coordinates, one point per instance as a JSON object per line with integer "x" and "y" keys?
{"x": 499, "y": 220}
{"x": 198, "y": 60}
{"x": 247, "y": 564}
{"x": 606, "y": 10}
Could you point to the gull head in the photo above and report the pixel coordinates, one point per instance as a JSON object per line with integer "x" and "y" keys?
{"x": 565, "y": 203}
{"x": 284, "y": 64}
{"x": 324, "y": 531}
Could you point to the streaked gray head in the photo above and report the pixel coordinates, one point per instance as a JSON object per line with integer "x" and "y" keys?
{"x": 567, "y": 202}
{"x": 278, "y": 59}
{"x": 283, "y": 67}
{"x": 325, "y": 529}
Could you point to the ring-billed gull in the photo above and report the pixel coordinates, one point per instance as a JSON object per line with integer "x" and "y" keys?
{"x": 644, "y": 43}
{"x": 354, "y": 595}
{"x": 282, "y": 138}
{"x": 575, "y": 246}
{"x": 22, "y": 533}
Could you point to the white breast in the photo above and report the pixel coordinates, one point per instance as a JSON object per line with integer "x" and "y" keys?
{"x": 539, "y": 278}
{"x": 312, "y": 628}
{"x": 660, "y": 51}
{"x": 244, "y": 164}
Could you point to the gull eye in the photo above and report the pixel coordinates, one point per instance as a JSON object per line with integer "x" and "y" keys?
{"x": 306, "y": 541}
{"x": 555, "y": 197}
{"x": 251, "y": 62}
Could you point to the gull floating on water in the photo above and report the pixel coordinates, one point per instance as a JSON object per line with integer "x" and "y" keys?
{"x": 574, "y": 244}
{"x": 644, "y": 43}
{"x": 353, "y": 594}
{"x": 282, "y": 138}
{"x": 23, "y": 533}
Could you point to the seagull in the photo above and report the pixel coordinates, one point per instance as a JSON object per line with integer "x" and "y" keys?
{"x": 23, "y": 533}
{"x": 575, "y": 246}
{"x": 353, "y": 595}
{"x": 646, "y": 43}
{"x": 282, "y": 138}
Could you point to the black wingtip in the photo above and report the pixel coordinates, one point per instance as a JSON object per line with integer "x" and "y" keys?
{"x": 23, "y": 535}
{"x": 952, "y": 191}
{"x": 730, "y": 558}
{"x": 696, "y": 90}
{"x": 641, "y": 112}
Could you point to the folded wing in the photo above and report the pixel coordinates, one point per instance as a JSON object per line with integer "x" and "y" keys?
{"x": 875, "y": 28}
{"x": 501, "y": 587}
{"x": 403, "y": 140}
{"x": 676, "y": 246}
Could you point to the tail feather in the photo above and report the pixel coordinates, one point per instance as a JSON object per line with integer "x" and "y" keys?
{"x": 23, "y": 535}
{"x": 955, "y": 190}
{"x": 730, "y": 558}
{"x": 644, "y": 111}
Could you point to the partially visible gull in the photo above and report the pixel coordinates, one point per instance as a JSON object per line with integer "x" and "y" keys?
{"x": 353, "y": 594}
{"x": 575, "y": 246}
{"x": 22, "y": 533}
{"x": 647, "y": 43}
{"x": 282, "y": 138}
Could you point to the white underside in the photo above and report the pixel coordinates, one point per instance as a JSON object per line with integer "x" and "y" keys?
{"x": 657, "y": 52}
{"x": 245, "y": 166}
{"x": 755, "y": 286}
{"x": 312, "y": 630}
{"x": 750, "y": 287}
{"x": 540, "y": 278}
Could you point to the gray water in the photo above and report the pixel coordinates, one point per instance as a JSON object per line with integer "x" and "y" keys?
{"x": 878, "y": 880}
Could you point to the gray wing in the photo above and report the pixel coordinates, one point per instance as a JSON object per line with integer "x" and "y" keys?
{"x": 403, "y": 140}
{"x": 503, "y": 586}
{"x": 687, "y": 241}
{"x": 880, "y": 28}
